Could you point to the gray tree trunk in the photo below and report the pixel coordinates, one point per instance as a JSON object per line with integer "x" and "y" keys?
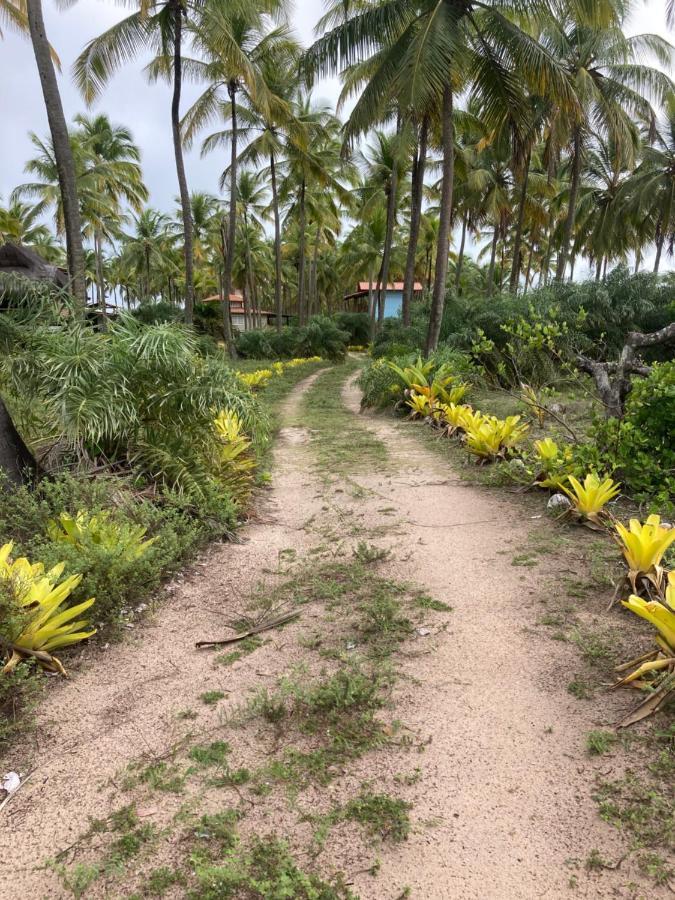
{"x": 416, "y": 196}
{"x": 444, "y": 224}
{"x": 65, "y": 165}
{"x": 180, "y": 164}
{"x": 277, "y": 243}
{"x": 572, "y": 206}
{"x": 16, "y": 460}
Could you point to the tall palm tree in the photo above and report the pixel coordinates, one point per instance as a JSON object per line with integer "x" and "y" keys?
{"x": 63, "y": 157}
{"x": 649, "y": 191}
{"x": 20, "y": 222}
{"x": 612, "y": 90}
{"x": 426, "y": 53}
{"x": 157, "y": 25}
{"x": 233, "y": 43}
{"x": 144, "y": 252}
{"x": 115, "y": 160}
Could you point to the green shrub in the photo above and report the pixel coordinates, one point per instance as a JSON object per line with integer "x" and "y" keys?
{"x": 640, "y": 448}
{"x": 357, "y": 325}
{"x": 119, "y": 581}
{"x": 322, "y": 336}
{"x": 382, "y": 387}
{"x": 140, "y": 397}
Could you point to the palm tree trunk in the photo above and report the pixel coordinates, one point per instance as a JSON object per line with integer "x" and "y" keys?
{"x": 231, "y": 225}
{"x": 663, "y": 226}
{"x": 277, "y": 243}
{"x": 572, "y": 206}
{"x": 226, "y": 290}
{"x": 491, "y": 269}
{"x": 529, "y": 267}
{"x": 63, "y": 154}
{"x": 444, "y": 224}
{"x": 16, "y": 460}
{"x": 180, "y": 164}
{"x": 100, "y": 283}
{"x": 416, "y": 196}
{"x": 388, "y": 241}
{"x": 460, "y": 256}
{"x": 518, "y": 236}
{"x": 313, "y": 276}
{"x": 302, "y": 312}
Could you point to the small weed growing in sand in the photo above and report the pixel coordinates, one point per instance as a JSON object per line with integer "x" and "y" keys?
{"x": 644, "y": 809}
{"x": 656, "y": 867}
{"x": 580, "y": 688}
{"x": 594, "y": 861}
{"x": 599, "y": 742}
{"x": 78, "y": 878}
{"x": 218, "y": 829}
{"x": 161, "y": 776}
{"x": 424, "y": 601}
{"x": 412, "y": 778}
{"x": 382, "y": 816}
{"x": 128, "y": 846}
{"x": 210, "y": 698}
{"x": 186, "y": 714}
{"x": 596, "y": 649}
{"x": 369, "y": 553}
{"x": 525, "y": 559}
{"x": 248, "y": 645}
{"x": 263, "y": 870}
{"x": 214, "y": 754}
{"x": 160, "y": 880}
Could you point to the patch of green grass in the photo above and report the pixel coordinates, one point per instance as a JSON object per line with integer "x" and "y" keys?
{"x": 424, "y": 601}
{"x": 382, "y": 816}
{"x": 580, "y": 688}
{"x": 160, "y": 880}
{"x": 342, "y": 444}
{"x": 218, "y": 829}
{"x": 368, "y": 553}
{"x": 162, "y": 776}
{"x": 597, "y": 648}
{"x": 600, "y": 742}
{"x": 214, "y": 754}
{"x": 186, "y": 714}
{"x": 656, "y": 867}
{"x": 594, "y": 861}
{"x": 78, "y": 878}
{"x": 525, "y": 559}
{"x": 210, "y": 698}
{"x": 264, "y": 870}
{"x": 642, "y": 808}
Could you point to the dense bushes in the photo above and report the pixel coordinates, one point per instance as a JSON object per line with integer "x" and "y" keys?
{"x": 382, "y": 386}
{"x": 139, "y": 400}
{"x": 321, "y": 337}
{"x": 641, "y": 446}
{"x": 357, "y": 325}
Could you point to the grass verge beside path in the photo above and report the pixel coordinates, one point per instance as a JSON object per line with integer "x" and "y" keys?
{"x": 342, "y": 444}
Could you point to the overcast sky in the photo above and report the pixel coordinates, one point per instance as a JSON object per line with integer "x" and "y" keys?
{"x": 130, "y": 100}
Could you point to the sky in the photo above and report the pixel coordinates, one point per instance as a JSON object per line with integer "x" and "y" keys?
{"x": 131, "y": 101}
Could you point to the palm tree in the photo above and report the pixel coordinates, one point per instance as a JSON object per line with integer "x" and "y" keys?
{"x": 233, "y": 43}
{"x": 267, "y": 135}
{"x": 650, "y": 190}
{"x": 145, "y": 251}
{"x": 63, "y": 157}
{"x": 19, "y": 222}
{"x": 114, "y": 160}
{"x": 13, "y": 15}
{"x": 423, "y": 54}
{"x": 610, "y": 87}
{"x": 311, "y": 159}
{"x": 157, "y": 25}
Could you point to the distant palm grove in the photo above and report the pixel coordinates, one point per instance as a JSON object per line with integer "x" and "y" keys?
{"x": 537, "y": 132}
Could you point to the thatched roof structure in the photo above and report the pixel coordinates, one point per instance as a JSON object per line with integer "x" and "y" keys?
{"x": 20, "y": 260}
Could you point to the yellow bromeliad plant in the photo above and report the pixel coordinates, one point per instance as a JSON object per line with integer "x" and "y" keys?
{"x": 257, "y": 379}
{"x": 420, "y": 405}
{"x": 492, "y": 438}
{"x": 655, "y": 671}
{"x": 234, "y": 454}
{"x": 590, "y": 498}
{"x": 119, "y": 538}
{"x": 40, "y": 623}
{"x": 553, "y": 462}
{"x": 643, "y": 546}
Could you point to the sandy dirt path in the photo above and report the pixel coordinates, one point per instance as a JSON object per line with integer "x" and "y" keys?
{"x": 503, "y": 807}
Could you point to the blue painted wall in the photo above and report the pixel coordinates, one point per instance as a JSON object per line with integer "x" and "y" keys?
{"x": 393, "y": 302}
